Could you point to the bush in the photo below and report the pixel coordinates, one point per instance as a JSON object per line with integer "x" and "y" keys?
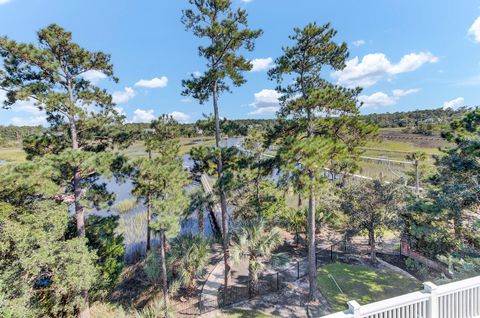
{"x": 110, "y": 250}
{"x": 156, "y": 309}
{"x": 152, "y": 268}
{"x": 416, "y": 267}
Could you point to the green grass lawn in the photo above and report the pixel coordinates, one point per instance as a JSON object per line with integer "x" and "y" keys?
{"x": 401, "y": 146}
{"x": 361, "y": 283}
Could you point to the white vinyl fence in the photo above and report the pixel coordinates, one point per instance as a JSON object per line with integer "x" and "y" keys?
{"x": 455, "y": 300}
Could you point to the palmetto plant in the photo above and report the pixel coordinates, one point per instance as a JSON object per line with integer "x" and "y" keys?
{"x": 255, "y": 243}
{"x": 189, "y": 256}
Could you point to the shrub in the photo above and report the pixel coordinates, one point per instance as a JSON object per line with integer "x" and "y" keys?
{"x": 416, "y": 267}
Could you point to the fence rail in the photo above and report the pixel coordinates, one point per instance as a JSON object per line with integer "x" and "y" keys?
{"x": 278, "y": 280}
{"x": 455, "y": 300}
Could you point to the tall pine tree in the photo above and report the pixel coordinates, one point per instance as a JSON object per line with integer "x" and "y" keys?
{"x": 52, "y": 74}
{"x": 317, "y": 126}
{"x": 225, "y": 31}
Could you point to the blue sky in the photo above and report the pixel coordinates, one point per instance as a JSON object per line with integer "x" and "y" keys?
{"x": 407, "y": 54}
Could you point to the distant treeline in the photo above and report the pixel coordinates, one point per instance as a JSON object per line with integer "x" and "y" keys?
{"x": 420, "y": 121}
{"x": 10, "y": 135}
{"x": 416, "y": 118}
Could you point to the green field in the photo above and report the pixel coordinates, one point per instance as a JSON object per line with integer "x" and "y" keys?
{"x": 16, "y": 154}
{"x": 361, "y": 283}
{"x": 12, "y": 154}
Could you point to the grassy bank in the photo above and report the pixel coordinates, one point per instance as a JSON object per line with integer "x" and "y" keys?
{"x": 364, "y": 284}
{"x": 12, "y": 154}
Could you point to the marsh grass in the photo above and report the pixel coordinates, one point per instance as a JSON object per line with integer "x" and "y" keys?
{"x": 125, "y": 206}
{"x": 134, "y": 230}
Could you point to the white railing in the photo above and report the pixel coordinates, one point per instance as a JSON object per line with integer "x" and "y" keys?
{"x": 455, "y": 300}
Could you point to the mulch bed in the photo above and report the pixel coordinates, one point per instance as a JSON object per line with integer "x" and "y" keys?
{"x": 399, "y": 261}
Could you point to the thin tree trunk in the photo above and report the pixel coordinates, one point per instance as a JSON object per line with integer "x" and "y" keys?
{"x": 149, "y": 218}
{"x": 79, "y": 212}
{"x": 373, "y": 253}
{"x": 149, "y": 211}
{"x": 297, "y": 232}
{"x": 312, "y": 256}
{"x": 163, "y": 267}
{"x": 312, "y": 262}
{"x": 223, "y": 201}
{"x": 417, "y": 177}
{"x": 200, "y": 216}
{"x": 253, "y": 279}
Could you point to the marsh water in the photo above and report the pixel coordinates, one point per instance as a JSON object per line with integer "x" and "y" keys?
{"x": 133, "y": 224}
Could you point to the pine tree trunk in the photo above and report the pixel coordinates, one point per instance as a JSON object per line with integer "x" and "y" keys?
{"x": 223, "y": 201}
{"x": 253, "y": 279}
{"x": 312, "y": 261}
{"x": 149, "y": 218}
{"x": 163, "y": 267}
{"x": 149, "y": 211}
{"x": 201, "y": 225}
{"x": 373, "y": 253}
{"x": 79, "y": 212}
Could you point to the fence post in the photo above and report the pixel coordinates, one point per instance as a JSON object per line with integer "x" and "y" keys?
{"x": 354, "y": 308}
{"x": 431, "y": 288}
{"x": 298, "y": 270}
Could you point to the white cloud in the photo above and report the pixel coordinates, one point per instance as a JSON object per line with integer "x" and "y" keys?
{"x": 29, "y": 121}
{"x": 120, "y": 110}
{"x": 93, "y": 76}
{"x": 186, "y": 100}
{"x": 412, "y": 61}
{"x": 143, "y": 116}
{"x": 405, "y": 92}
{"x": 380, "y": 99}
{"x": 153, "y": 83}
{"x": 180, "y": 117}
{"x": 454, "y": 103}
{"x": 266, "y": 102}
{"x": 122, "y": 97}
{"x": 26, "y": 106}
{"x": 4, "y": 2}
{"x": 374, "y": 67}
{"x": 358, "y": 43}
{"x": 474, "y": 31}
{"x": 261, "y": 64}
{"x": 21, "y": 106}
{"x": 376, "y": 100}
